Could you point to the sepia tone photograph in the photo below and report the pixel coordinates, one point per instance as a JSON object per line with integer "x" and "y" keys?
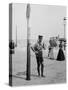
{"x": 37, "y": 44}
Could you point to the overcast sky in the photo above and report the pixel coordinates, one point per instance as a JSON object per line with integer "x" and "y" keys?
{"x": 46, "y": 20}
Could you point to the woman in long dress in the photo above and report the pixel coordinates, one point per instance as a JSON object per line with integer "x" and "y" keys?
{"x": 60, "y": 56}
{"x": 51, "y": 53}
{"x": 51, "y": 48}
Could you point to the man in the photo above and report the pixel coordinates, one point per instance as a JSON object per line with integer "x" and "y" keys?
{"x": 11, "y": 47}
{"x": 37, "y": 48}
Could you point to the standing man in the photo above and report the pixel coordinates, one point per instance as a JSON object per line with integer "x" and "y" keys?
{"x": 37, "y": 48}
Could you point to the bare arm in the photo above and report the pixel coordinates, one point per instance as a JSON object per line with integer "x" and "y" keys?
{"x": 34, "y": 50}
{"x": 44, "y": 46}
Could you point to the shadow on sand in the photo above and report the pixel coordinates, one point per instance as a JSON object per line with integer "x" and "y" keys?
{"x": 19, "y": 75}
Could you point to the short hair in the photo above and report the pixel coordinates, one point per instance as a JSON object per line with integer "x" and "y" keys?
{"x": 40, "y": 36}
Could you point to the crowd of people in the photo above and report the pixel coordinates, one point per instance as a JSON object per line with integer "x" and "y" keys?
{"x": 53, "y": 44}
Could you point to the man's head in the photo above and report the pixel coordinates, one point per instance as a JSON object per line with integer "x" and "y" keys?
{"x": 40, "y": 38}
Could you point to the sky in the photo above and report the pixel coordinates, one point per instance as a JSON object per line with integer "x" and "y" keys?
{"x": 46, "y": 20}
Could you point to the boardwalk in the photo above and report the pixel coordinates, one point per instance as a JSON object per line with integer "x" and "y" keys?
{"x": 54, "y": 71}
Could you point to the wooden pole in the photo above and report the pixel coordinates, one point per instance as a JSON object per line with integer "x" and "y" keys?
{"x": 16, "y": 35}
{"x": 28, "y": 43}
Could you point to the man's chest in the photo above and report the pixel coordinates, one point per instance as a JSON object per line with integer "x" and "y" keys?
{"x": 39, "y": 46}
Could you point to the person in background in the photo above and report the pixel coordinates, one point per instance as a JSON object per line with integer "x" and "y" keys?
{"x": 49, "y": 49}
{"x": 51, "y": 46}
{"x": 60, "y": 56}
{"x": 11, "y": 47}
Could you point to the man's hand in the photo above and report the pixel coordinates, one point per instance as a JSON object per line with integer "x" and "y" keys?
{"x": 36, "y": 52}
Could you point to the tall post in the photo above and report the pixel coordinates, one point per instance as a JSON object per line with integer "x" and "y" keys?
{"x": 16, "y": 35}
{"x": 64, "y": 31}
{"x": 28, "y": 43}
{"x": 64, "y": 26}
